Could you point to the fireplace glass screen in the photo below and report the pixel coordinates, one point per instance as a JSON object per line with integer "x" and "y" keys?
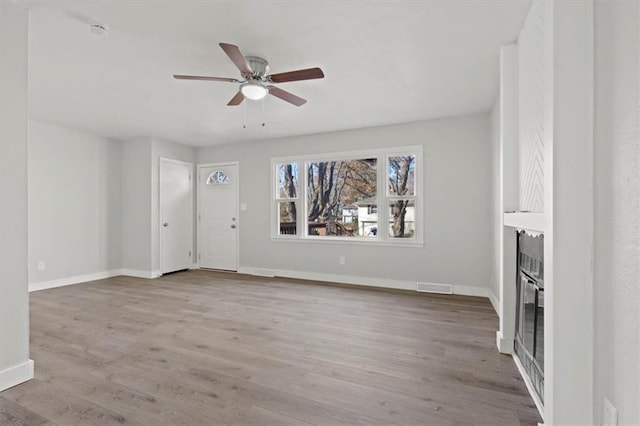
{"x": 529, "y": 341}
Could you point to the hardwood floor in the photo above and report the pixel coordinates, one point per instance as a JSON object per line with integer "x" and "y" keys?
{"x": 209, "y": 348}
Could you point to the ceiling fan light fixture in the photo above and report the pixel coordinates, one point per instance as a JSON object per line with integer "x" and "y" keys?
{"x": 253, "y": 90}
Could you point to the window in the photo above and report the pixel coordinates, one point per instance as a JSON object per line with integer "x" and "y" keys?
{"x": 218, "y": 178}
{"x": 337, "y": 197}
{"x": 401, "y": 174}
{"x": 287, "y": 198}
{"x": 335, "y": 192}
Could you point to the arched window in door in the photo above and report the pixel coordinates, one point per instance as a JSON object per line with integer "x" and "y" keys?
{"x": 218, "y": 178}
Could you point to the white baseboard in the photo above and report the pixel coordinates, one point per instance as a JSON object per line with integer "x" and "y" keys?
{"x": 61, "y": 282}
{"x": 467, "y": 290}
{"x": 137, "y": 273}
{"x": 505, "y": 346}
{"x": 494, "y": 302}
{"x": 260, "y": 272}
{"x": 43, "y": 285}
{"x": 357, "y": 280}
{"x": 15, "y": 375}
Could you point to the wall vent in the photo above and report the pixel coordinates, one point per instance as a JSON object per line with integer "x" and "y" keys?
{"x": 434, "y": 288}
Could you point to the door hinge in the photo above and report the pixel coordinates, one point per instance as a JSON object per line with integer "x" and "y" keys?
{"x": 198, "y": 256}
{"x": 189, "y": 177}
{"x": 189, "y": 253}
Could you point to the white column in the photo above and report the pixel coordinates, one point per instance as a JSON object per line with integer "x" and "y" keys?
{"x": 568, "y": 321}
{"x": 15, "y": 366}
{"x": 509, "y": 172}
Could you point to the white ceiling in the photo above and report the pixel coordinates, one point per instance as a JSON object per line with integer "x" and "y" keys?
{"x": 384, "y": 62}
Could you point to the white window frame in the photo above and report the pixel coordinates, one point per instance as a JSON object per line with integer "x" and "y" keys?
{"x": 383, "y": 198}
{"x": 276, "y": 200}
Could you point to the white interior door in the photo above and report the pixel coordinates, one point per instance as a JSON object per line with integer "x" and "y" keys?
{"x": 176, "y": 215}
{"x": 218, "y": 216}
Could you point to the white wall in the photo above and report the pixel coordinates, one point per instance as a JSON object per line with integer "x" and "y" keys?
{"x": 15, "y": 366}
{"x": 617, "y": 213}
{"x": 140, "y": 190}
{"x": 136, "y": 207}
{"x": 496, "y": 209}
{"x": 457, "y": 217}
{"x": 75, "y": 184}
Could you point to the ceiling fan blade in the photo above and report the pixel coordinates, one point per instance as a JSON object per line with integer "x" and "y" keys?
{"x": 196, "y": 77}
{"x": 233, "y": 52}
{"x": 308, "y": 74}
{"x": 237, "y": 99}
{"x": 286, "y": 96}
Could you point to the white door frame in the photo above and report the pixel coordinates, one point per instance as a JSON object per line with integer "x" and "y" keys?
{"x": 199, "y": 197}
{"x": 160, "y": 221}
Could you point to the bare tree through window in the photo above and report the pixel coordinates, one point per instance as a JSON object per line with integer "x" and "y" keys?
{"x": 401, "y": 174}
{"x": 333, "y": 189}
{"x": 287, "y": 190}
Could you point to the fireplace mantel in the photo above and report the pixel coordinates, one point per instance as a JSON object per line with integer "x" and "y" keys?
{"x": 525, "y": 220}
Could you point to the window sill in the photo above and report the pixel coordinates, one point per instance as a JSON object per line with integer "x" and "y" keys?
{"x": 353, "y": 241}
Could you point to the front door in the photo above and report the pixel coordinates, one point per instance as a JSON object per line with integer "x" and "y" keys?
{"x": 218, "y": 216}
{"x": 176, "y": 215}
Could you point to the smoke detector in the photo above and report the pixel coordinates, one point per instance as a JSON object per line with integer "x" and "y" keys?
{"x": 99, "y": 29}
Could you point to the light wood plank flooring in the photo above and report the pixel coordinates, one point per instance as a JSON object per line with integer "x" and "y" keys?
{"x": 209, "y": 348}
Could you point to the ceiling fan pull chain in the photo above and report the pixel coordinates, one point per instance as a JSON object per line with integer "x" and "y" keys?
{"x": 263, "y": 121}
{"x": 244, "y": 115}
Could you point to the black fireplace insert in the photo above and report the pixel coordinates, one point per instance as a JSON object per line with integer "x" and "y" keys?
{"x": 529, "y": 339}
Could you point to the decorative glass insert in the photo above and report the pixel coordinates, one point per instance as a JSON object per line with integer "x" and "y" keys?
{"x": 218, "y": 178}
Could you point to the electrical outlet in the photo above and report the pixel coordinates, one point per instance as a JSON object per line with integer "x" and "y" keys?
{"x": 41, "y": 266}
{"x": 343, "y": 260}
{"x": 610, "y": 415}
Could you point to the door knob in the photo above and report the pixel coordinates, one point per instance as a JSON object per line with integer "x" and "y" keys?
{"x": 233, "y": 226}
{"x": 165, "y": 224}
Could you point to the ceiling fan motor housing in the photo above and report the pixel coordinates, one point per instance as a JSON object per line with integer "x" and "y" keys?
{"x": 259, "y": 66}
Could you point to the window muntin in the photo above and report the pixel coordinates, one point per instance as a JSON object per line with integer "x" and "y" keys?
{"x": 336, "y": 191}
{"x": 343, "y": 208}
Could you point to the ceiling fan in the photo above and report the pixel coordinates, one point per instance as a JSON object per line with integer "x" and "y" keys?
{"x": 257, "y": 82}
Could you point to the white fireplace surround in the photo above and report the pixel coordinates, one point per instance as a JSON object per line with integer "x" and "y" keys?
{"x": 545, "y": 130}
{"x": 533, "y": 223}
